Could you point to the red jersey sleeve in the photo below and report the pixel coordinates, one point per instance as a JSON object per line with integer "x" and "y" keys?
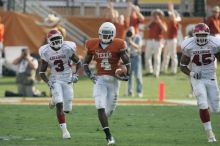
{"x": 91, "y": 45}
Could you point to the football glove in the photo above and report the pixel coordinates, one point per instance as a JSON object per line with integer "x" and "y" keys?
{"x": 74, "y": 78}
{"x": 122, "y": 77}
{"x": 195, "y": 75}
{"x": 51, "y": 84}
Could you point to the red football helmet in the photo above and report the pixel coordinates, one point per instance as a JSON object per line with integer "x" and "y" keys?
{"x": 55, "y": 39}
{"x": 201, "y": 32}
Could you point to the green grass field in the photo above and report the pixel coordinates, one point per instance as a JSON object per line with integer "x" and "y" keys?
{"x": 29, "y": 125}
{"x": 176, "y": 87}
{"x": 131, "y": 126}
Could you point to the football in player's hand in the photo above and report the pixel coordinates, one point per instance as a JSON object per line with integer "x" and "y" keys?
{"x": 121, "y": 70}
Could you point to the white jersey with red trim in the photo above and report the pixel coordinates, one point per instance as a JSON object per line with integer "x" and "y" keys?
{"x": 59, "y": 60}
{"x": 202, "y": 57}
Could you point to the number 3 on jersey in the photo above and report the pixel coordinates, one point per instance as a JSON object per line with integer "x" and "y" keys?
{"x": 203, "y": 59}
{"x": 105, "y": 64}
{"x": 59, "y": 65}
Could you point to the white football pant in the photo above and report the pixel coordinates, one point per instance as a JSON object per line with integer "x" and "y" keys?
{"x": 153, "y": 48}
{"x": 170, "y": 52}
{"x": 207, "y": 93}
{"x": 63, "y": 93}
{"x": 105, "y": 93}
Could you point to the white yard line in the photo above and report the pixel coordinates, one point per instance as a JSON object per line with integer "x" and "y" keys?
{"x": 90, "y": 101}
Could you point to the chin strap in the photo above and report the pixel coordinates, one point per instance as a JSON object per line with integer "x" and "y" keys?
{"x": 56, "y": 49}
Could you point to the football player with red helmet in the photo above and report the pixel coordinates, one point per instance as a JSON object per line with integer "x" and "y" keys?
{"x": 202, "y": 50}
{"x": 60, "y": 55}
{"x": 106, "y": 51}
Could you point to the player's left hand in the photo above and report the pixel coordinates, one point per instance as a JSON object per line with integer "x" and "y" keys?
{"x": 51, "y": 84}
{"x": 122, "y": 77}
{"x": 74, "y": 78}
{"x": 93, "y": 77}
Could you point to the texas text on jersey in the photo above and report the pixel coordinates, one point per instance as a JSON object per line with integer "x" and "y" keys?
{"x": 107, "y": 58}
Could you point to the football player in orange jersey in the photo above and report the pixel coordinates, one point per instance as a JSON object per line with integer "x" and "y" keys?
{"x": 107, "y": 52}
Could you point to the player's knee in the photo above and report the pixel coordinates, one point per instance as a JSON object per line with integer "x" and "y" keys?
{"x": 109, "y": 112}
{"x": 67, "y": 108}
{"x": 100, "y": 106}
{"x": 203, "y": 105}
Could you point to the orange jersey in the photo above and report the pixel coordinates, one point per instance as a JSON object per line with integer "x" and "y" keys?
{"x": 2, "y": 31}
{"x": 214, "y": 25}
{"x": 172, "y": 29}
{"x": 155, "y": 31}
{"x": 107, "y": 59}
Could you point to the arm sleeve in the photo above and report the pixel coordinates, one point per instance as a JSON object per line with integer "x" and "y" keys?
{"x": 72, "y": 49}
{"x": 42, "y": 54}
{"x": 184, "y": 47}
{"x": 88, "y": 48}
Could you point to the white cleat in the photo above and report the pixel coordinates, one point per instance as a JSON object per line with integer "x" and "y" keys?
{"x": 66, "y": 135}
{"x": 51, "y": 104}
{"x": 111, "y": 140}
{"x": 211, "y": 137}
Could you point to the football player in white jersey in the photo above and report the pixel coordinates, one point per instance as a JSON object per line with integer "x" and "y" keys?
{"x": 202, "y": 50}
{"x": 59, "y": 55}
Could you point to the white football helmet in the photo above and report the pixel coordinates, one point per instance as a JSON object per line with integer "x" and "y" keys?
{"x": 201, "y": 32}
{"x": 107, "y": 32}
{"x": 55, "y": 39}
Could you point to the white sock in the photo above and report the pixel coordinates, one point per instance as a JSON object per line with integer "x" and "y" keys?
{"x": 207, "y": 126}
{"x": 63, "y": 126}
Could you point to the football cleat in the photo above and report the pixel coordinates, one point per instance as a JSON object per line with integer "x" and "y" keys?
{"x": 51, "y": 104}
{"x": 110, "y": 140}
{"x": 66, "y": 134}
{"x": 211, "y": 137}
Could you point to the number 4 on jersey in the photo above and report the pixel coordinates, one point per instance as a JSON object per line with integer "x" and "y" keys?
{"x": 105, "y": 64}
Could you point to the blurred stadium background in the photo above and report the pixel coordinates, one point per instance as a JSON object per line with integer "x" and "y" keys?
{"x": 81, "y": 19}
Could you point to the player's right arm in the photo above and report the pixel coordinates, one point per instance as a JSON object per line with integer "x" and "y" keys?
{"x": 184, "y": 62}
{"x": 42, "y": 70}
{"x": 87, "y": 60}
